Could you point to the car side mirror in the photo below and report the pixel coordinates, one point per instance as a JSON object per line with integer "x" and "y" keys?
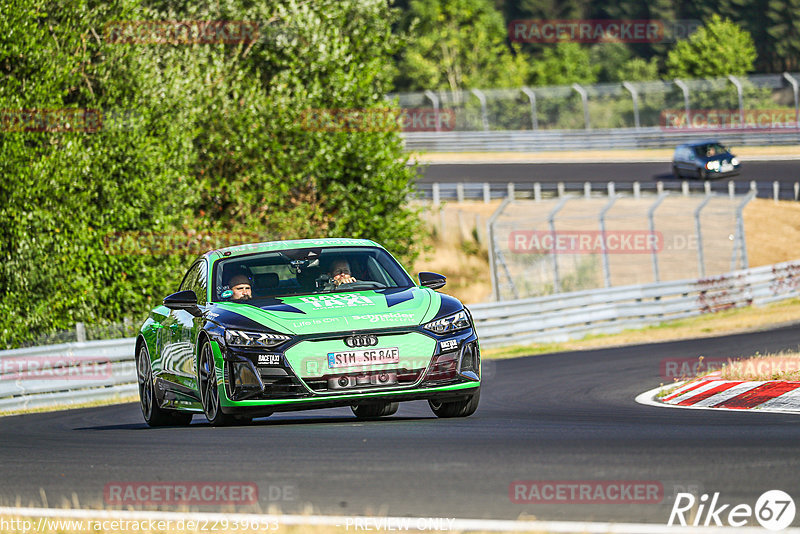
{"x": 432, "y": 280}
{"x": 183, "y": 300}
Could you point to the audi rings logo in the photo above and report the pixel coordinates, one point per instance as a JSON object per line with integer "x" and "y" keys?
{"x": 361, "y": 341}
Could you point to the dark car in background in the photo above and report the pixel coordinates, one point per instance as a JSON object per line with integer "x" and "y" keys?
{"x": 703, "y": 160}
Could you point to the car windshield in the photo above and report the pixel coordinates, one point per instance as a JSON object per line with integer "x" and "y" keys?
{"x": 305, "y": 272}
{"x": 711, "y": 149}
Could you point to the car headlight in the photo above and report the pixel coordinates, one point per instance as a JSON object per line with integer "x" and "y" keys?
{"x": 734, "y": 161}
{"x": 451, "y": 323}
{"x": 242, "y": 338}
{"x": 712, "y": 165}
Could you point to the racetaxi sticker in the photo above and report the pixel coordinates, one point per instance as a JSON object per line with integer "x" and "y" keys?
{"x": 448, "y": 344}
{"x": 340, "y": 300}
{"x": 269, "y": 359}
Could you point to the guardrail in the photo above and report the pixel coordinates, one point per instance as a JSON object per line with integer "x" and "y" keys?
{"x": 488, "y": 191}
{"x": 603, "y": 311}
{"x": 600, "y": 139}
{"x": 69, "y": 373}
{"x": 72, "y": 373}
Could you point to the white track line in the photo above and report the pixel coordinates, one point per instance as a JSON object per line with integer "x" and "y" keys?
{"x": 452, "y": 524}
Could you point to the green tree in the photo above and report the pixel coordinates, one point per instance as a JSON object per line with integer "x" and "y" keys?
{"x": 457, "y": 44}
{"x": 97, "y": 225}
{"x": 638, "y": 70}
{"x": 719, "y": 48}
{"x": 564, "y": 64}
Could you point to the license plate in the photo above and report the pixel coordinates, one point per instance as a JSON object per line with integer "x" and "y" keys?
{"x": 726, "y": 167}
{"x": 352, "y": 358}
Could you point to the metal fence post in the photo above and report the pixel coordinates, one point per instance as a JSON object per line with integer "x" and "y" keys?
{"x": 637, "y": 190}
{"x": 635, "y": 96}
{"x": 587, "y": 189}
{"x": 552, "y": 223}
{"x": 776, "y": 190}
{"x": 510, "y": 190}
{"x": 651, "y": 221}
{"x": 80, "y": 332}
{"x": 560, "y": 187}
{"x": 487, "y": 192}
{"x": 685, "y": 188}
{"x": 585, "y": 99}
{"x": 659, "y": 187}
{"x": 797, "y": 191}
{"x": 789, "y": 78}
{"x": 435, "y": 103}
{"x": 731, "y": 189}
{"x": 435, "y": 193}
{"x": 606, "y": 267}
{"x": 735, "y": 81}
{"x": 740, "y": 244}
{"x": 532, "y": 97}
{"x": 537, "y": 191}
{"x": 460, "y": 191}
{"x": 685, "y": 90}
{"x": 611, "y": 189}
{"x": 493, "y": 250}
{"x": 484, "y": 114}
{"x": 701, "y": 264}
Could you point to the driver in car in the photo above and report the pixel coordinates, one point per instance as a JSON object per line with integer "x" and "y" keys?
{"x": 240, "y": 285}
{"x": 340, "y": 272}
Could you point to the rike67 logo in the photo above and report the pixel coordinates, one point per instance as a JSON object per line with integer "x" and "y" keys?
{"x": 774, "y": 510}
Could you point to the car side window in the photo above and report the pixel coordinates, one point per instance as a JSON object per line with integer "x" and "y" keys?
{"x": 196, "y": 281}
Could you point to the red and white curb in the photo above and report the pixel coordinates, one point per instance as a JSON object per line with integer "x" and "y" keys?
{"x": 712, "y": 392}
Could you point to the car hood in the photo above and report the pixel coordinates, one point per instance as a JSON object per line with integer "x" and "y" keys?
{"x": 341, "y": 311}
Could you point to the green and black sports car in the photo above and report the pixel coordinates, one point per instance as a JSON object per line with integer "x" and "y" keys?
{"x": 306, "y": 324}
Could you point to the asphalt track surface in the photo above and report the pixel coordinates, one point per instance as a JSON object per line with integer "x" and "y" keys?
{"x": 568, "y": 416}
{"x": 763, "y": 171}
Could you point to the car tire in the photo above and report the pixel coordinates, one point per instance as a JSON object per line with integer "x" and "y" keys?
{"x": 374, "y": 410}
{"x": 153, "y": 414}
{"x": 675, "y": 172}
{"x": 209, "y": 389}
{"x": 462, "y": 408}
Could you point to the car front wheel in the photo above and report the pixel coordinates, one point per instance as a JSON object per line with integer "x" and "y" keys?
{"x": 209, "y": 391}
{"x": 461, "y": 408}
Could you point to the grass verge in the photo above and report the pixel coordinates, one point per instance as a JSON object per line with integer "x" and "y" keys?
{"x": 780, "y": 366}
{"x": 72, "y": 406}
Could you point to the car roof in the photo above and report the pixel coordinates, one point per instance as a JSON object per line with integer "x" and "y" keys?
{"x": 267, "y": 246}
{"x": 702, "y": 142}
